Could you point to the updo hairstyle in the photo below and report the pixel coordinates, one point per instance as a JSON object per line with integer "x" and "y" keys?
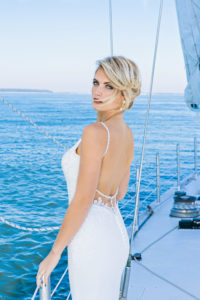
{"x": 124, "y": 75}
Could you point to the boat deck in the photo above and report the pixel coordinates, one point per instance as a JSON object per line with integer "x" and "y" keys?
{"x": 175, "y": 257}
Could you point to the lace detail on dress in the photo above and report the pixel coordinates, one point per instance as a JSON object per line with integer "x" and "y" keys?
{"x": 111, "y": 207}
{"x": 112, "y": 204}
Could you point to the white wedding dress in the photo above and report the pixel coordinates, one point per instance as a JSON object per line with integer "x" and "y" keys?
{"x": 98, "y": 253}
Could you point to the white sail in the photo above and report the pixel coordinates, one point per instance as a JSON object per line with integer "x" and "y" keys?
{"x": 188, "y": 12}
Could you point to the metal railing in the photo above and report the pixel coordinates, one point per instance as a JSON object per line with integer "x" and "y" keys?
{"x": 126, "y": 273}
{"x": 45, "y": 291}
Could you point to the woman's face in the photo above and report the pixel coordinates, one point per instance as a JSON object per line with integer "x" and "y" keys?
{"x": 102, "y": 88}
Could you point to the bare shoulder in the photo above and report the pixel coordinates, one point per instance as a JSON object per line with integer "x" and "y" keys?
{"x": 94, "y": 138}
{"x": 94, "y": 131}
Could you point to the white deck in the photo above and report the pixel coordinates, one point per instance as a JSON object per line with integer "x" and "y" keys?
{"x": 176, "y": 257}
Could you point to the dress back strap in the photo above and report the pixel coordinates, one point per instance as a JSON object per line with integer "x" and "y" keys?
{"x": 108, "y": 137}
{"x": 106, "y": 196}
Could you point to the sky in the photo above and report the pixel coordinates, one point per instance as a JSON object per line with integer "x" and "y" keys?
{"x": 54, "y": 44}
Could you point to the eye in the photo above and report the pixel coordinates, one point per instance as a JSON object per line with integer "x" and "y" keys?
{"x": 95, "y": 82}
{"x": 109, "y": 86}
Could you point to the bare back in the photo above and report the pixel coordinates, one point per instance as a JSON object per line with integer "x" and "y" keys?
{"x": 118, "y": 158}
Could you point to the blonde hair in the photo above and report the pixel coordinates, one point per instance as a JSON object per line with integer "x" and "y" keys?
{"x": 124, "y": 75}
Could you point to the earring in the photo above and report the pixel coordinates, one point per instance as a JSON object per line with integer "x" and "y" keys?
{"x": 123, "y": 103}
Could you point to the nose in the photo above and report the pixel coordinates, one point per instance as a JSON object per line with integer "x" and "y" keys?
{"x": 98, "y": 90}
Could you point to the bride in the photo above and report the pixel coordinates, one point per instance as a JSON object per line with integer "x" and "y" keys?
{"x": 97, "y": 171}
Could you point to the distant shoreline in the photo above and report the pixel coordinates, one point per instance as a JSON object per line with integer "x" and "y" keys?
{"x": 75, "y": 93}
{"x": 24, "y": 91}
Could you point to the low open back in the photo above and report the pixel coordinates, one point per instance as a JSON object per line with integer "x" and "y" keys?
{"x": 100, "y": 197}
{"x": 111, "y": 199}
{"x": 102, "y": 234}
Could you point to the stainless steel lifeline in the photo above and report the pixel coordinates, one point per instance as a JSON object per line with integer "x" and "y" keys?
{"x": 158, "y": 177}
{"x": 178, "y": 166}
{"x": 45, "y": 290}
{"x": 137, "y": 182}
{"x": 195, "y": 156}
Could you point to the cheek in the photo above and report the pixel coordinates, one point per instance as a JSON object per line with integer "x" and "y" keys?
{"x": 108, "y": 92}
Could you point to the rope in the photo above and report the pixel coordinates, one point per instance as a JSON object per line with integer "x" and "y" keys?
{"x": 160, "y": 238}
{"x": 33, "y": 123}
{"x": 3, "y": 220}
{"x": 166, "y": 280}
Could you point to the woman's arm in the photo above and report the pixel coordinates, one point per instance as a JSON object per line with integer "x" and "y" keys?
{"x": 93, "y": 144}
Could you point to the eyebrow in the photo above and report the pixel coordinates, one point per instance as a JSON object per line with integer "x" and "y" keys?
{"x": 103, "y": 82}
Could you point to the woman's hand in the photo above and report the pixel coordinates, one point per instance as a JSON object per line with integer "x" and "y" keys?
{"x": 47, "y": 266}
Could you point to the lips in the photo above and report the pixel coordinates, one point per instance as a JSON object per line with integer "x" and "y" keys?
{"x": 97, "y": 101}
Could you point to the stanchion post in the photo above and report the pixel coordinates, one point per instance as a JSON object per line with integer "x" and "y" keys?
{"x": 136, "y": 188}
{"x": 195, "y": 157}
{"x": 125, "y": 282}
{"x": 158, "y": 176}
{"x": 45, "y": 290}
{"x": 178, "y": 166}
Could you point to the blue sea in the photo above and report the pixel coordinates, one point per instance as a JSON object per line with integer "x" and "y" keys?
{"x": 33, "y": 191}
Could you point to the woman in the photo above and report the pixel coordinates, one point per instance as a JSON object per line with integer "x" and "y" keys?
{"x": 97, "y": 172}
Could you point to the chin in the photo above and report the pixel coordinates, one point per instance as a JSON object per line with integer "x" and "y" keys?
{"x": 96, "y": 107}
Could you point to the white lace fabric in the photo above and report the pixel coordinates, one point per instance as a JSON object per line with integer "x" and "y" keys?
{"x": 108, "y": 205}
{"x": 111, "y": 203}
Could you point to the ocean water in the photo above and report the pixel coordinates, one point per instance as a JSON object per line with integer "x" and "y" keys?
{"x": 33, "y": 190}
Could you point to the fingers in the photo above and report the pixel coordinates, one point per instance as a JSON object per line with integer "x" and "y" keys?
{"x": 42, "y": 278}
{"x": 45, "y": 268}
{"x": 39, "y": 279}
{"x": 42, "y": 281}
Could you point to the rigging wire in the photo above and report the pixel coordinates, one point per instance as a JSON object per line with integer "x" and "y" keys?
{"x": 111, "y": 30}
{"x": 126, "y": 277}
{"x": 146, "y": 121}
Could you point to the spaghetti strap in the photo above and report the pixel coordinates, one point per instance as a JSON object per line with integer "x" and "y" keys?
{"x": 102, "y": 194}
{"x": 108, "y": 137}
{"x": 106, "y": 196}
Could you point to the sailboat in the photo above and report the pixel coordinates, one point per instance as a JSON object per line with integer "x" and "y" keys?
{"x": 165, "y": 238}
{"x": 164, "y": 257}
{"x": 188, "y": 13}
